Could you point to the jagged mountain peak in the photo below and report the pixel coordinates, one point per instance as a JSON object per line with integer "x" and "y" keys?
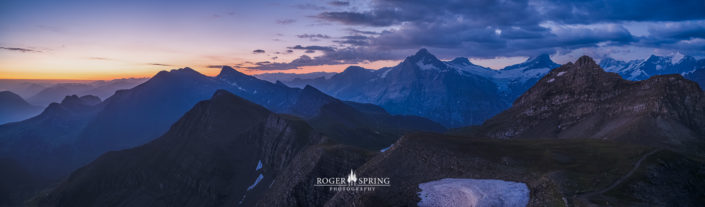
{"x": 586, "y": 62}
{"x": 226, "y": 70}
{"x": 177, "y": 73}
{"x": 424, "y": 60}
{"x": 537, "y": 62}
{"x": 543, "y": 57}
{"x": 74, "y": 100}
{"x": 354, "y": 69}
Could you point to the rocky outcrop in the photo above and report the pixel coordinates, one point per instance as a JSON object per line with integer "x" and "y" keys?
{"x": 580, "y": 100}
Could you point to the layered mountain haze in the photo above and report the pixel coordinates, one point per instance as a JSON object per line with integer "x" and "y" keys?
{"x": 454, "y": 93}
{"x": 580, "y": 100}
{"x": 14, "y": 108}
{"x": 225, "y": 151}
{"x": 45, "y": 144}
{"x": 102, "y": 89}
{"x": 81, "y": 128}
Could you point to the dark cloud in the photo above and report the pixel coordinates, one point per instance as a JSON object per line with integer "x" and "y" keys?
{"x": 354, "y": 40}
{"x": 339, "y": 3}
{"x": 160, "y": 64}
{"x": 313, "y": 48}
{"x": 490, "y": 12}
{"x": 625, "y": 10}
{"x": 348, "y": 55}
{"x": 214, "y": 66}
{"x": 313, "y": 36}
{"x": 286, "y": 21}
{"x": 488, "y": 28}
{"x": 361, "y": 32}
{"x": 258, "y": 51}
{"x": 18, "y": 49}
{"x": 310, "y": 7}
{"x": 101, "y": 58}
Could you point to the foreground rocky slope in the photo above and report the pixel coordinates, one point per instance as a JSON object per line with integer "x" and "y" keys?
{"x": 557, "y": 172}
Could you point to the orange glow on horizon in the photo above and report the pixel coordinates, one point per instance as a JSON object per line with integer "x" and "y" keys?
{"x": 148, "y": 72}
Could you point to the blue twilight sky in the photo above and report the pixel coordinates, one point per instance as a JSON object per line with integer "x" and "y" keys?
{"x": 102, "y": 39}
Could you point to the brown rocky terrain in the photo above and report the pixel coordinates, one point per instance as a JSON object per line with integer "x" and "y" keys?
{"x": 580, "y": 100}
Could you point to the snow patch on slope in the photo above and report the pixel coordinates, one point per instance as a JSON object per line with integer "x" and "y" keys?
{"x": 426, "y": 67}
{"x": 473, "y": 192}
{"x": 259, "y": 178}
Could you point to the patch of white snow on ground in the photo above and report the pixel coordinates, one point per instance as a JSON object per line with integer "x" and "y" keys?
{"x": 551, "y": 80}
{"x": 259, "y": 165}
{"x": 385, "y": 149}
{"x": 561, "y": 73}
{"x": 259, "y": 178}
{"x": 473, "y": 192}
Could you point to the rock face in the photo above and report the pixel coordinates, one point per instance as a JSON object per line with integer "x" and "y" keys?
{"x": 14, "y": 108}
{"x": 556, "y": 172}
{"x": 223, "y": 152}
{"x": 454, "y": 93}
{"x": 580, "y": 100}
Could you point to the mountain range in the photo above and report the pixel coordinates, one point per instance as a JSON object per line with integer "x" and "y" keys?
{"x": 454, "y": 93}
{"x": 75, "y": 132}
{"x": 556, "y": 139}
{"x": 42, "y": 93}
{"x": 642, "y": 69}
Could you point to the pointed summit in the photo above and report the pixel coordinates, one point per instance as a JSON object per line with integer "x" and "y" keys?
{"x": 424, "y": 60}
{"x": 585, "y": 61}
{"x": 542, "y": 57}
{"x": 461, "y": 61}
{"x": 540, "y": 61}
{"x": 228, "y": 71}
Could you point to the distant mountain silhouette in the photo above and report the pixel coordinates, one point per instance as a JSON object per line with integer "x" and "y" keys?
{"x": 101, "y": 89}
{"x": 211, "y": 156}
{"x": 44, "y": 144}
{"x": 73, "y": 136}
{"x": 14, "y": 108}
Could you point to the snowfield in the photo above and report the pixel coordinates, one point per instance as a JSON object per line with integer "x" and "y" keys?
{"x": 473, "y": 192}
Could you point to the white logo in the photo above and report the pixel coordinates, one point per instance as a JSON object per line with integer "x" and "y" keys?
{"x": 352, "y": 183}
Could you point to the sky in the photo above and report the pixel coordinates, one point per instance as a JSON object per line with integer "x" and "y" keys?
{"x": 106, "y": 39}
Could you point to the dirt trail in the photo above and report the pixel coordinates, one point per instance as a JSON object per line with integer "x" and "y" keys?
{"x": 584, "y": 197}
